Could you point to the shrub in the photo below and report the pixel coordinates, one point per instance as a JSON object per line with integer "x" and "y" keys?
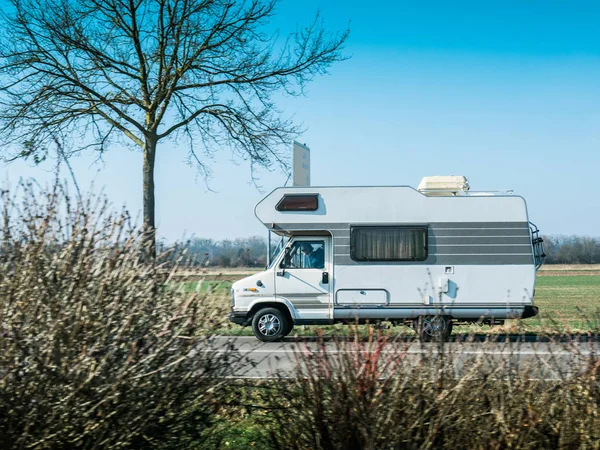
{"x": 95, "y": 351}
{"x": 372, "y": 395}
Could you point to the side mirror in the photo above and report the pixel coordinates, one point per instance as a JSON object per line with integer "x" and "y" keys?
{"x": 282, "y": 266}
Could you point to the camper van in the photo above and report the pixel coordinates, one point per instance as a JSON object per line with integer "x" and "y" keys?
{"x": 428, "y": 258}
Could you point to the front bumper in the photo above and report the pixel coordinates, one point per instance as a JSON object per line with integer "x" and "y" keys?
{"x": 530, "y": 311}
{"x": 239, "y": 318}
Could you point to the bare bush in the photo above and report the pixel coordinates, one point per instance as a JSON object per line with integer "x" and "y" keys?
{"x": 95, "y": 352}
{"x": 372, "y": 395}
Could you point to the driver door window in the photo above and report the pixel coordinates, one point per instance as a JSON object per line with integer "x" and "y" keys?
{"x": 305, "y": 255}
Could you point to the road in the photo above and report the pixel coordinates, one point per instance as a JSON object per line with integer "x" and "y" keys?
{"x": 544, "y": 360}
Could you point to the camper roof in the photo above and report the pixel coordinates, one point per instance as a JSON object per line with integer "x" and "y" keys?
{"x": 324, "y": 207}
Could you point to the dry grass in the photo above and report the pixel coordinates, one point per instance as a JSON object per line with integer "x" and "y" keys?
{"x": 549, "y": 270}
{"x": 570, "y": 267}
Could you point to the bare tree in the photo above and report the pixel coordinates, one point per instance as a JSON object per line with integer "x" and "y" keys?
{"x": 590, "y": 250}
{"x": 203, "y": 72}
{"x": 572, "y": 249}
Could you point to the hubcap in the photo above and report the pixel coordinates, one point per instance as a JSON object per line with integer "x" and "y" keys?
{"x": 269, "y": 325}
{"x": 434, "y": 326}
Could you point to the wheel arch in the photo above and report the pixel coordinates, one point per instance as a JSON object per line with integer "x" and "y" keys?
{"x": 271, "y": 303}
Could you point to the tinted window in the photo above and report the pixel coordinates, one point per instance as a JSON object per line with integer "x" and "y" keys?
{"x": 305, "y": 255}
{"x": 298, "y": 203}
{"x": 388, "y": 243}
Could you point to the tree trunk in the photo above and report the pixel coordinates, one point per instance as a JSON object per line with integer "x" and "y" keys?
{"x": 149, "y": 203}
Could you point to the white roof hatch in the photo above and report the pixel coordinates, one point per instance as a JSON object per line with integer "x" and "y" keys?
{"x": 441, "y": 186}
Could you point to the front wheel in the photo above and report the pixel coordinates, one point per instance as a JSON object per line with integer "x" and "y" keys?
{"x": 270, "y": 324}
{"x": 433, "y": 328}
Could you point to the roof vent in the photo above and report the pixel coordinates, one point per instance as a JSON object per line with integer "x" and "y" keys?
{"x": 444, "y": 186}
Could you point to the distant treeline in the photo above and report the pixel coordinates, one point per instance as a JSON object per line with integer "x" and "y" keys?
{"x": 252, "y": 251}
{"x": 572, "y": 250}
{"x": 241, "y": 252}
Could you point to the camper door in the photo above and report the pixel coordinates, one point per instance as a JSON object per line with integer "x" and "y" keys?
{"x": 304, "y": 277}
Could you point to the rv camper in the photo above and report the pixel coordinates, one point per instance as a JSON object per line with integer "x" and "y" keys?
{"x": 426, "y": 257}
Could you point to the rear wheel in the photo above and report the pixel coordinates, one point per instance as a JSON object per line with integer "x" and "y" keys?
{"x": 433, "y": 328}
{"x": 270, "y": 324}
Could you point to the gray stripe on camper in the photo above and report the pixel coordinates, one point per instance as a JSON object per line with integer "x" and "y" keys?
{"x": 306, "y": 303}
{"x": 479, "y": 240}
{"x": 401, "y": 305}
{"x": 454, "y": 259}
{"x": 460, "y": 240}
{"x": 500, "y": 227}
{"x": 310, "y": 305}
{"x": 521, "y": 225}
{"x": 473, "y": 249}
{"x": 481, "y": 249}
{"x": 312, "y": 226}
{"x": 340, "y": 236}
{"x": 474, "y": 232}
{"x": 341, "y": 240}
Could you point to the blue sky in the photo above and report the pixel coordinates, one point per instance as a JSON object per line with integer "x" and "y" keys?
{"x": 506, "y": 93}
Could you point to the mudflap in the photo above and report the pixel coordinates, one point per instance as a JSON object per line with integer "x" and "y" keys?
{"x": 530, "y": 311}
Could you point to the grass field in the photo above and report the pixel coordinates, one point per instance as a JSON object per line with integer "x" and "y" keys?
{"x": 570, "y": 299}
{"x": 567, "y": 302}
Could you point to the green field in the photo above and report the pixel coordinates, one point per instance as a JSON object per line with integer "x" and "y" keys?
{"x": 572, "y": 300}
{"x": 566, "y": 303}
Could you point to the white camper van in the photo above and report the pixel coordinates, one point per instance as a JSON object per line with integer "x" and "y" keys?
{"x": 426, "y": 257}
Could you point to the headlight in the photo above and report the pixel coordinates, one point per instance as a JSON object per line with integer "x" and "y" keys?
{"x": 232, "y": 298}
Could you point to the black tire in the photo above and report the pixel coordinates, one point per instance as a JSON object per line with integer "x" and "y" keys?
{"x": 433, "y": 328}
{"x": 289, "y": 328}
{"x": 270, "y": 324}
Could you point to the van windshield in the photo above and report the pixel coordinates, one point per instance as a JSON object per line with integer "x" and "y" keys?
{"x": 277, "y": 251}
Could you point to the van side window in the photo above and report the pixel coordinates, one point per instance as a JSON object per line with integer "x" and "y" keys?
{"x": 388, "y": 243}
{"x": 305, "y": 255}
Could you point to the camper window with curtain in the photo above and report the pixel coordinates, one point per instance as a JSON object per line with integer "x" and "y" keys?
{"x": 388, "y": 243}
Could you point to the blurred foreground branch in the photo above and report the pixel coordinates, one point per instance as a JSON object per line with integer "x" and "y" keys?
{"x": 92, "y": 355}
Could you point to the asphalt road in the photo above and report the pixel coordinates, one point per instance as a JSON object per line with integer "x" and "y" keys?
{"x": 543, "y": 360}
